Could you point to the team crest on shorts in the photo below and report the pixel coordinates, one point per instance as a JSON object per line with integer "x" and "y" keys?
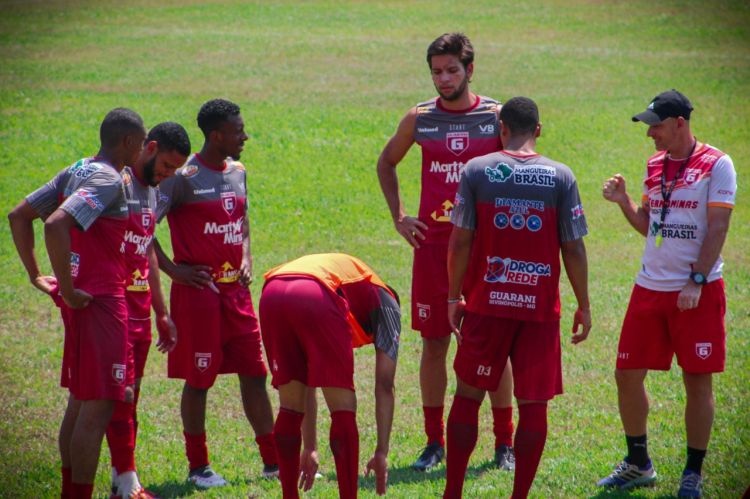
{"x": 118, "y": 373}
{"x": 423, "y": 312}
{"x": 457, "y": 142}
{"x": 202, "y": 361}
{"x": 228, "y": 201}
{"x": 703, "y": 350}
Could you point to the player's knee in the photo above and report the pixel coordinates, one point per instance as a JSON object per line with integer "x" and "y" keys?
{"x": 436, "y": 348}
{"x": 629, "y": 378}
{"x": 129, "y": 394}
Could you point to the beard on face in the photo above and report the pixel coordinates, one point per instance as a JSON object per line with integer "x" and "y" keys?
{"x": 457, "y": 93}
{"x": 148, "y": 172}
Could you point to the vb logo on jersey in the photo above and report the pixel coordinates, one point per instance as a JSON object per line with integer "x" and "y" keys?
{"x": 457, "y": 142}
{"x": 703, "y": 350}
{"x": 202, "y": 361}
{"x": 500, "y": 173}
{"x": 228, "y": 201}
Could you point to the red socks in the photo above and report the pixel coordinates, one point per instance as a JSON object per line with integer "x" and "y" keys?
{"x": 121, "y": 438}
{"x": 463, "y": 422}
{"x": 345, "y": 447}
{"x": 502, "y": 426}
{"x": 267, "y": 448}
{"x": 433, "y": 424}
{"x": 67, "y": 481}
{"x": 81, "y": 490}
{"x": 531, "y": 436}
{"x": 287, "y": 434}
{"x": 196, "y": 450}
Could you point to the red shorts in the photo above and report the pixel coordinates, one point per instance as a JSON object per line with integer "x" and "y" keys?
{"x": 654, "y": 330}
{"x": 95, "y": 350}
{"x": 217, "y": 333}
{"x": 306, "y": 334}
{"x": 139, "y": 342}
{"x": 429, "y": 291}
{"x": 533, "y": 348}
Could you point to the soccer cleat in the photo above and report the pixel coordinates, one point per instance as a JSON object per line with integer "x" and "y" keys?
{"x": 430, "y": 457}
{"x": 270, "y": 471}
{"x": 205, "y": 478}
{"x": 690, "y": 484}
{"x": 505, "y": 458}
{"x": 627, "y": 476}
{"x": 142, "y": 494}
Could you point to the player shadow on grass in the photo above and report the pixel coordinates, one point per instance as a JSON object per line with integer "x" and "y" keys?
{"x": 173, "y": 488}
{"x": 407, "y": 475}
{"x": 630, "y": 494}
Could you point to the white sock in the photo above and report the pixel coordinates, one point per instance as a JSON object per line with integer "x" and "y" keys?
{"x": 127, "y": 483}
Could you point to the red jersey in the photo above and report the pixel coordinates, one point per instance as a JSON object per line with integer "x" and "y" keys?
{"x": 449, "y": 139}
{"x": 521, "y": 208}
{"x": 91, "y": 192}
{"x": 138, "y": 236}
{"x": 206, "y": 210}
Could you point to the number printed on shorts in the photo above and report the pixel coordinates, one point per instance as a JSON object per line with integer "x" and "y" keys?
{"x": 484, "y": 370}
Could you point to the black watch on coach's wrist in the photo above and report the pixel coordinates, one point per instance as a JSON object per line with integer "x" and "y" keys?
{"x": 698, "y": 278}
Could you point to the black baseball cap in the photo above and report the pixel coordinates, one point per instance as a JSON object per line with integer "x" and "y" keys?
{"x": 669, "y": 104}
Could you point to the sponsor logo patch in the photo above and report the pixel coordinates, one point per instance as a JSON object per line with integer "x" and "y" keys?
{"x": 487, "y": 129}
{"x": 202, "y": 361}
{"x": 500, "y": 173}
{"x": 576, "y": 212}
{"x": 428, "y": 129}
{"x": 507, "y": 270}
{"x": 457, "y": 142}
{"x": 75, "y": 264}
{"x": 189, "y": 170}
{"x": 90, "y": 199}
{"x": 517, "y": 221}
{"x": 501, "y": 220}
{"x": 534, "y": 223}
{"x": 543, "y": 176}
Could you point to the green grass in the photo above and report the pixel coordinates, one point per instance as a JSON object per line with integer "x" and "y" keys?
{"x": 322, "y": 86}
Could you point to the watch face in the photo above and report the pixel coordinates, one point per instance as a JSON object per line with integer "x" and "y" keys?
{"x": 698, "y": 278}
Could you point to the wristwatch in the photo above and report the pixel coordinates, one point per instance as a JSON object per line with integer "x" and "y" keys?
{"x": 698, "y": 278}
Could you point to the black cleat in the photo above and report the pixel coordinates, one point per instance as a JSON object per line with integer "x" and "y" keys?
{"x": 505, "y": 458}
{"x": 431, "y": 456}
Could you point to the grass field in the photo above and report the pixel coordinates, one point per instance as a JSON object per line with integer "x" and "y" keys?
{"x": 322, "y": 86}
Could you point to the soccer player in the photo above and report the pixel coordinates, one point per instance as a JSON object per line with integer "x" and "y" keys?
{"x": 167, "y": 148}
{"x": 313, "y": 310}
{"x": 678, "y": 303}
{"x": 451, "y": 129}
{"x": 515, "y": 212}
{"x": 206, "y": 206}
{"x": 85, "y": 214}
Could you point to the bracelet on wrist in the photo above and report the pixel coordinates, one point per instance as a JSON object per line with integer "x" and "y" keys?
{"x": 452, "y": 301}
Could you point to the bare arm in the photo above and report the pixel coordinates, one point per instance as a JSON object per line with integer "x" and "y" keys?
{"x": 614, "y": 190}
{"x": 309, "y": 457}
{"x": 57, "y": 238}
{"x": 164, "y": 325}
{"x": 21, "y": 220}
{"x": 410, "y": 228}
{"x": 459, "y": 250}
{"x": 576, "y": 266}
{"x": 197, "y": 276}
{"x": 246, "y": 270}
{"x": 718, "y": 226}
{"x": 385, "y": 373}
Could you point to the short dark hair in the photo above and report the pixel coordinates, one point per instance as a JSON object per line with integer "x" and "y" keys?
{"x": 170, "y": 136}
{"x": 215, "y": 112}
{"x": 118, "y": 123}
{"x": 456, "y": 44}
{"x": 520, "y": 115}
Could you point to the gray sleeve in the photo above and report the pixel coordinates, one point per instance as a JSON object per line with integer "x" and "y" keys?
{"x": 464, "y": 213}
{"x": 167, "y": 192}
{"x": 387, "y": 324}
{"x": 571, "y": 221}
{"x": 92, "y": 197}
{"x": 46, "y": 199}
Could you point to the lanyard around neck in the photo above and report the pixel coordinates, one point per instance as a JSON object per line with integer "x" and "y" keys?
{"x": 666, "y": 194}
